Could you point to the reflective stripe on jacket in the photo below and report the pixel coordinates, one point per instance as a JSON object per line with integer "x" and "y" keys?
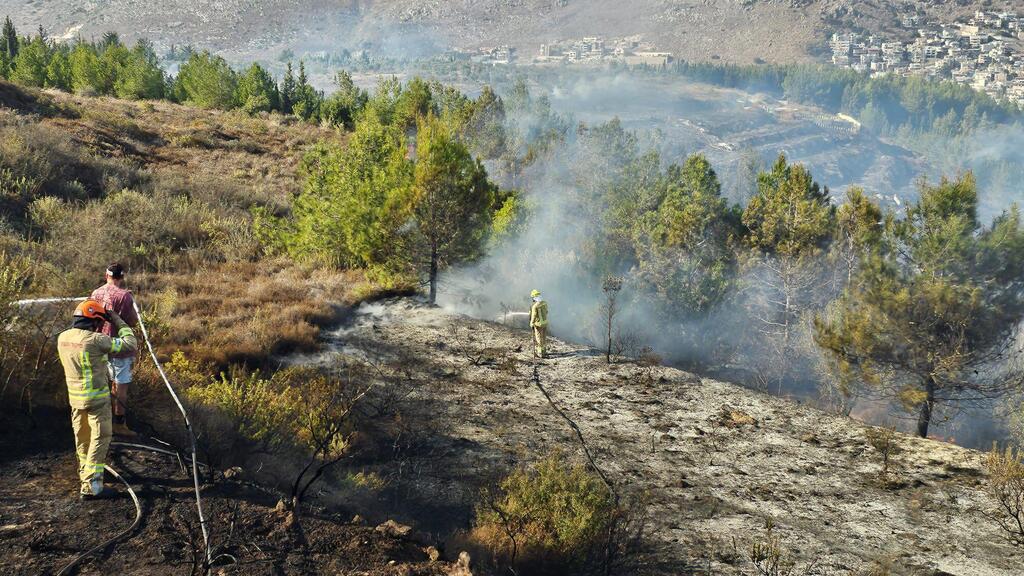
{"x": 83, "y": 354}
{"x": 539, "y": 314}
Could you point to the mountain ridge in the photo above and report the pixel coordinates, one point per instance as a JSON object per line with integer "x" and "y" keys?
{"x": 740, "y": 31}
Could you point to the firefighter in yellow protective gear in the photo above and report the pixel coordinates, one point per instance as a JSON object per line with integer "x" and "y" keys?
{"x": 539, "y": 323}
{"x": 83, "y": 351}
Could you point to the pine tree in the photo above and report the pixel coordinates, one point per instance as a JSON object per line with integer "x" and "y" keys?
{"x": 486, "y": 125}
{"x": 685, "y": 256}
{"x": 207, "y": 81}
{"x": 9, "y": 39}
{"x": 355, "y": 202}
{"x": 109, "y": 40}
{"x": 932, "y": 314}
{"x": 31, "y": 63}
{"x": 58, "y": 71}
{"x": 306, "y": 100}
{"x": 346, "y": 102}
{"x": 137, "y": 72}
{"x": 257, "y": 91}
{"x": 85, "y": 70}
{"x": 452, "y": 202}
{"x": 287, "y": 90}
{"x": 789, "y": 224}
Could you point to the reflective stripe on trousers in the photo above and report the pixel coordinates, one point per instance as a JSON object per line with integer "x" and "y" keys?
{"x": 92, "y": 428}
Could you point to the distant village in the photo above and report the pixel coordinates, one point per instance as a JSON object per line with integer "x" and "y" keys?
{"x": 631, "y": 51}
{"x": 984, "y": 53}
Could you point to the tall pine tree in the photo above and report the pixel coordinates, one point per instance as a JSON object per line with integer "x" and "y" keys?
{"x": 9, "y": 39}
{"x": 932, "y": 314}
{"x": 288, "y": 90}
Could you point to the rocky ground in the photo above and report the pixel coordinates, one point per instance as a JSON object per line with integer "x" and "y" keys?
{"x": 714, "y": 463}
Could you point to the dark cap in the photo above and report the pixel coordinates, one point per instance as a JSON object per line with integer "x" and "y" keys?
{"x": 115, "y": 271}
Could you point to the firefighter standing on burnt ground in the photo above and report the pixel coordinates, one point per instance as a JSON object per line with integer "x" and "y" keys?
{"x": 84, "y": 352}
{"x": 539, "y": 323}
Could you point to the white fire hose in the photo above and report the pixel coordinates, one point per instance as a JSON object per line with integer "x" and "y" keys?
{"x": 177, "y": 401}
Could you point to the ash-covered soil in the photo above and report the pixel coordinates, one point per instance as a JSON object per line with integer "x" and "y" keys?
{"x": 714, "y": 462}
{"x": 43, "y": 524}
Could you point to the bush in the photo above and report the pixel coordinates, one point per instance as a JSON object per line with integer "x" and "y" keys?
{"x": 29, "y": 369}
{"x": 260, "y": 407}
{"x": 1006, "y": 486}
{"x": 144, "y": 232}
{"x": 38, "y": 161}
{"x": 551, "y": 518}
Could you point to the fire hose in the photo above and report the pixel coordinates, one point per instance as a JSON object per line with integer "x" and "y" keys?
{"x": 138, "y": 516}
{"x": 188, "y": 427}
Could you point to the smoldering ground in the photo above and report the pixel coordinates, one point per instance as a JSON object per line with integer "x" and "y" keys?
{"x": 556, "y": 252}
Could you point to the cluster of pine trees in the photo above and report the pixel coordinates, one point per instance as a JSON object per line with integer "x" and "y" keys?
{"x": 108, "y": 67}
{"x": 886, "y": 105}
{"x": 406, "y": 196}
{"x": 916, "y": 305}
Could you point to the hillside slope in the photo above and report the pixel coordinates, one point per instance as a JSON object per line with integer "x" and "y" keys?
{"x": 732, "y": 30}
{"x": 713, "y": 461}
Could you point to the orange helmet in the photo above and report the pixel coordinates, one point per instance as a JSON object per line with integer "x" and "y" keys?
{"x": 91, "y": 309}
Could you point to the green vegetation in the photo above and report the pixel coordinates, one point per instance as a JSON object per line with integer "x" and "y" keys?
{"x": 290, "y": 410}
{"x": 886, "y": 105}
{"x": 910, "y": 305}
{"x": 109, "y": 68}
{"x": 404, "y": 198}
{"x": 929, "y": 312}
{"x": 406, "y": 195}
{"x": 551, "y": 518}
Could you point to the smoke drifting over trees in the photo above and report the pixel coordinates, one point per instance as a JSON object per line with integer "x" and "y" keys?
{"x": 734, "y": 289}
{"x": 724, "y": 266}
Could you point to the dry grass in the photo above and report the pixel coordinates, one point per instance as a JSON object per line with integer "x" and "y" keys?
{"x": 247, "y": 312}
{"x": 167, "y": 190}
{"x": 258, "y": 155}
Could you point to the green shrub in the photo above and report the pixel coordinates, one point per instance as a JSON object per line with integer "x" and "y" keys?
{"x": 551, "y": 518}
{"x": 260, "y": 407}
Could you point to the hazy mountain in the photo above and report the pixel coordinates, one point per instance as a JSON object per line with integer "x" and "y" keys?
{"x": 730, "y": 30}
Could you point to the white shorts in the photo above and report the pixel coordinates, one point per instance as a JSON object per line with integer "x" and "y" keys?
{"x": 121, "y": 370}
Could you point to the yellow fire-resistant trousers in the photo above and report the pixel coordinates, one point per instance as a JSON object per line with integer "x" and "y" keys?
{"x": 92, "y": 440}
{"x": 540, "y": 338}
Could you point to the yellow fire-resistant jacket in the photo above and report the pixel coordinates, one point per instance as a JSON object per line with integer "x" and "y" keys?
{"x": 539, "y": 314}
{"x": 84, "y": 356}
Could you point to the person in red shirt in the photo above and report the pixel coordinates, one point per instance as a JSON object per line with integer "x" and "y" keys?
{"x": 115, "y": 297}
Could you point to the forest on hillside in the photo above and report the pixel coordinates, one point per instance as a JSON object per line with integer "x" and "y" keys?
{"x": 396, "y": 190}
{"x": 408, "y": 195}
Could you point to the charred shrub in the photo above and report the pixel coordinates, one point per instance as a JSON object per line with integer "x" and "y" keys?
{"x": 770, "y": 557}
{"x": 551, "y": 518}
{"x": 1006, "y": 486}
{"x": 885, "y": 441}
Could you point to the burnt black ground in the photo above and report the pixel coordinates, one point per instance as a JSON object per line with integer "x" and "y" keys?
{"x": 43, "y": 524}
